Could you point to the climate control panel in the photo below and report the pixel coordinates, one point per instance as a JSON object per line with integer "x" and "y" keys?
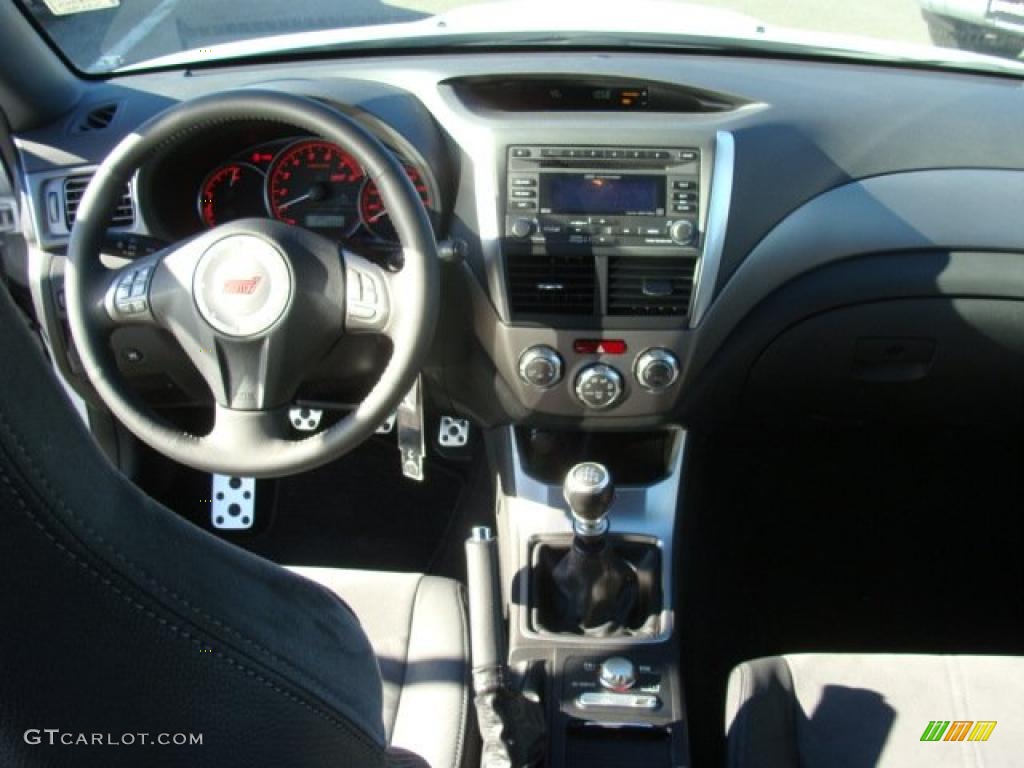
{"x": 595, "y": 378}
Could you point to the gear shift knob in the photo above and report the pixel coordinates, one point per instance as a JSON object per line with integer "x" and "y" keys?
{"x": 588, "y": 490}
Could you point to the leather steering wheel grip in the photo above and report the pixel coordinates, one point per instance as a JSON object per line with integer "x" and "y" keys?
{"x": 256, "y": 447}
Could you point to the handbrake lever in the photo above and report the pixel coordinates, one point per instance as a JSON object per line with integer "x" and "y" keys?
{"x": 512, "y": 726}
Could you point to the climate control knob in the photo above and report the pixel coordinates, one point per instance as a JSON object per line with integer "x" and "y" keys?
{"x": 682, "y": 232}
{"x": 540, "y": 366}
{"x": 656, "y": 369}
{"x": 599, "y": 386}
{"x": 521, "y": 227}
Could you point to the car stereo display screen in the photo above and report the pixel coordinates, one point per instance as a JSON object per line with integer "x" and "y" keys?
{"x": 599, "y": 193}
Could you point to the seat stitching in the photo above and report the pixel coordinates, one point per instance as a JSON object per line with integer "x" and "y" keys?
{"x": 56, "y": 496}
{"x": 408, "y": 645}
{"x": 185, "y": 634}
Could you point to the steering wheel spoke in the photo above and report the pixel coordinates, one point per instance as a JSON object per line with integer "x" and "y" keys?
{"x": 237, "y": 431}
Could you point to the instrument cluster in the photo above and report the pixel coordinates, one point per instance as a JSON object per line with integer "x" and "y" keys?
{"x": 307, "y": 182}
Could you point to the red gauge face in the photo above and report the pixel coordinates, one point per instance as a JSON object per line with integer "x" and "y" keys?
{"x": 375, "y": 215}
{"x": 316, "y": 184}
{"x": 230, "y": 192}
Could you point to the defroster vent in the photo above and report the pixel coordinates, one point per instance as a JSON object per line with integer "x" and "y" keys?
{"x": 74, "y": 189}
{"x": 650, "y": 285}
{"x": 552, "y": 284}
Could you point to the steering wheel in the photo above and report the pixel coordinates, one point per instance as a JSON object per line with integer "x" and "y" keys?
{"x": 253, "y": 303}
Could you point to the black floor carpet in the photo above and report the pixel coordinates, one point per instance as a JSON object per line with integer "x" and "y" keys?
{"x": 825, "y": 541}
{"x": 357, "y": 512}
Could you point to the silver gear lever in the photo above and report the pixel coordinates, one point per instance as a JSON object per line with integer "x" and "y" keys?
{"x": 589, "y": 491}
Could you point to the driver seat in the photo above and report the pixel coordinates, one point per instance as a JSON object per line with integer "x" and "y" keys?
{"x": 122, "y": 626}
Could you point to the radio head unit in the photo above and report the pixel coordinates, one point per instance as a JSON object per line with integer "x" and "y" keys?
{"x": 606, "y": 197}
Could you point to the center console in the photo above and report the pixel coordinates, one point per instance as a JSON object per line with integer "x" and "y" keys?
{"x": 587, "y": 574}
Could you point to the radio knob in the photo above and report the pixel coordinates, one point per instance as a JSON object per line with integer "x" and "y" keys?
{"x": 540, "y": 366}
{"x": 599, "y": 386}
{"x": 521, "y": 228}
{"x": 682, "y": 232}
{"x": 656, "y": 369}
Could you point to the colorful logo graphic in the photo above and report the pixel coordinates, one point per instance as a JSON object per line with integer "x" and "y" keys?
{"x": 246, "y": 287}
{"x": 958, "y": 730}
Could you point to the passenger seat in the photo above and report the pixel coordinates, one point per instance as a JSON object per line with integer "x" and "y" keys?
{"x": 863, "y": 711}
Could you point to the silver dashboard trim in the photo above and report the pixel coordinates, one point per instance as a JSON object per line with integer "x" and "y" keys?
{"x": 537, "y": 510}
{"x": 717, "y": 224}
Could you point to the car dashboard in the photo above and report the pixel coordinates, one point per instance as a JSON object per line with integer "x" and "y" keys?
{"x": 631, "y": 239}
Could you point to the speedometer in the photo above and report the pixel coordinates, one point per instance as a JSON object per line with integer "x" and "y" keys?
{"x": 316, "y": 184}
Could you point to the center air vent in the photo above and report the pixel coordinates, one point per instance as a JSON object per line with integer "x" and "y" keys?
{"x": 74, "y": 189}
{"x": 650, "y": 285}
{"x": 559, "y": 284}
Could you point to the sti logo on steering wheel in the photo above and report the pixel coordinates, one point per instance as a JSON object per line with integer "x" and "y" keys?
{"x": 241, "y": 287}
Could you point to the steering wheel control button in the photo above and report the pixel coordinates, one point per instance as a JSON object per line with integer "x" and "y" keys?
{"x": 599, "y": 386}
{"x": 242, "y": 285}
{"x": 132, "y": 291}
{"x": 656, "y": 369}
{"x": 540, "y": 366}
{"x": 365, "y": 296}
{"x": 617, "y": 674}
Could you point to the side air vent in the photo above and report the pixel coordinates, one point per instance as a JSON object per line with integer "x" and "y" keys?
{"x": 74, "y": 188}
{"x": 650, "y": 285}
{"x": 95, "y": 118}
{"x": 562, "y": 284}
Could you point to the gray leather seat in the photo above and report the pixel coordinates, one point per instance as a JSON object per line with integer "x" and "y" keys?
{"x": 811, "y": 710}
{"x": 119, "y": 617}
{"x": 417, "y": 628}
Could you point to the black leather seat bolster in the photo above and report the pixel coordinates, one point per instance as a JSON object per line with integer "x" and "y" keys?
{"x": 816, "y": 710}
{"x": 417, "y": 626}
{"x": 75, "y": 534}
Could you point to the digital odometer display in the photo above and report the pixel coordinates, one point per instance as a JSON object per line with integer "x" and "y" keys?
{"x": 592, "y": 193}
{"x": 316, "y": 184}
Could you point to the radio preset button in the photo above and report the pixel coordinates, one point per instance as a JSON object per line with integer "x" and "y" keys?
{"x": 524, "y": 182}
{"x": 684, "y": 185}
{"x": 524, "y": 193}
{"x": 524, "y": 205}
{"x": 683, "y": 207}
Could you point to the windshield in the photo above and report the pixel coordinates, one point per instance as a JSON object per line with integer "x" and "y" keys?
{"x": 102, "y": 36}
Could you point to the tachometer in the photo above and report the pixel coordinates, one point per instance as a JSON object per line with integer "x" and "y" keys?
{"x": 375, "y": 215}
{"x": 316, "y": 184}
{"x": 229, "y": 192}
